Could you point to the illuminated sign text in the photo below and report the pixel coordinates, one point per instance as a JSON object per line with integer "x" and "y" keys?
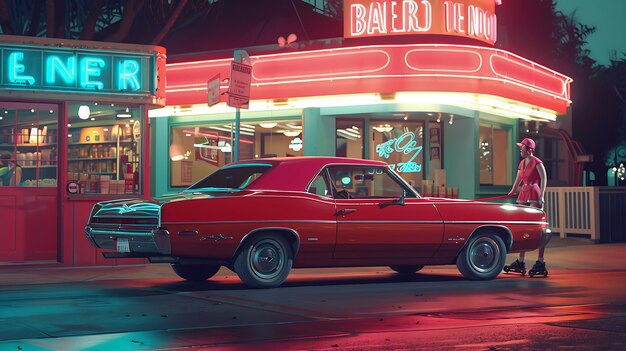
{"x": 76, "y": 70}
{"x": 469, "y": 18}
{"x": 406, "y": 145}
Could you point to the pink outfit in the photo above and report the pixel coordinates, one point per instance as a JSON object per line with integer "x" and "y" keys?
{"x": 531, "y": 189}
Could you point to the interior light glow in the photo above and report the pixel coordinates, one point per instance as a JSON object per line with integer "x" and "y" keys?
{"x": 84, "y": 112}
{"x": 268, "y": 125}
{"x": 291, "y": 133}
{"x": 383, "y": 128}
{"x": 176, "y": 153}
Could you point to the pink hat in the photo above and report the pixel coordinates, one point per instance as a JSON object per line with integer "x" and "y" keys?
{"x": 528, "y": 142}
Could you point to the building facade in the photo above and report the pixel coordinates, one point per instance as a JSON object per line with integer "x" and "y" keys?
{"x": 73, "y": 131}
{"x": 445, "y": 116}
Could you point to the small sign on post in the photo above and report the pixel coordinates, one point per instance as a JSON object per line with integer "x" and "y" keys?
{"x": 213, "y": 90}
{"x": 239, "y": 88}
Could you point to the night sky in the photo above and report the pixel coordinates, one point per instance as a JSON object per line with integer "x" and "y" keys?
{"x": 608, "y": 18}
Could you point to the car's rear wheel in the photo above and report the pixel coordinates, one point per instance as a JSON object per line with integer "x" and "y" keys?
{"x": 264, "y": 262}
{"x": 406, "y": 269}
{"x": 482, "y": 257}
{"x": 195, "y": 272}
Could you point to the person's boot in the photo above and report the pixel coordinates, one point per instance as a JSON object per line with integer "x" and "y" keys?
{"x": 539, "y": 268}
{"x": 517, "y": 267}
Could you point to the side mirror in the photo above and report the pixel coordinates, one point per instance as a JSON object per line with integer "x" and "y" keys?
{"x": 401, "y": 199}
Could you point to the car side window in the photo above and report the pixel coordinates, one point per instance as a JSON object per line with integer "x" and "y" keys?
{"x": 364, "y": 182}
{"x": 319, "y": 187}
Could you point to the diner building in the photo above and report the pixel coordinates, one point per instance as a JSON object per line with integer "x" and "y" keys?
{"x": 73, "y": 131}
{"x": 417, "y": 84}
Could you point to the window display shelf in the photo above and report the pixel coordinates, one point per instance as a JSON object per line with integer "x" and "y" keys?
{"x": 94, "y": 159}
{"x": 33, "y": 167}
{"x": 100, "y": 142}
{"x": 27, "y": 145}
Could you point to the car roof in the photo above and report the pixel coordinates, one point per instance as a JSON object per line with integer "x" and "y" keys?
{"x": 295, "y": 173}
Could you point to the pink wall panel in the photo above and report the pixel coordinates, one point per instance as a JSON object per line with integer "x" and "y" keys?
{"x": 9, "y": 247}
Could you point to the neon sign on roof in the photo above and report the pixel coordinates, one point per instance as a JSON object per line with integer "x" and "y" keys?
{"x": 76, "y": 71}
{"x": 410, "y": 68}
{"x": 474, "y": 19}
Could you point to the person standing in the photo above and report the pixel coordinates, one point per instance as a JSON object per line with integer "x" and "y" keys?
{"x": 10, "y": 172}
{"x": 531, "y": 175}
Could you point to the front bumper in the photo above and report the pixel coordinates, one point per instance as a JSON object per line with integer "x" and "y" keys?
{"x": 141, "y": 243}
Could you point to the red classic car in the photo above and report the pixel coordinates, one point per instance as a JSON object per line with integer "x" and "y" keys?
{"x": 262, "y": 217}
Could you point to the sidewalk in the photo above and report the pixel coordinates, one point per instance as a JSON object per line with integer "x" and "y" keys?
{"x": 568, "y": 253}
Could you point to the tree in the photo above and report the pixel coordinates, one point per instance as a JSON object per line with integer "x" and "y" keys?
{"x": 557, "y": 40}
{"x": 133, "y": 21}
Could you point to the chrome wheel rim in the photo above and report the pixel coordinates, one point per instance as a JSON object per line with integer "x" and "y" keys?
{"x": 267, "y": 259}
{"x": 484, "y": 255}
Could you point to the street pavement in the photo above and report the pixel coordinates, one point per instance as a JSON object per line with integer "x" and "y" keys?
{"x": 561, "y": 253}
{"x": 315, "y": 310}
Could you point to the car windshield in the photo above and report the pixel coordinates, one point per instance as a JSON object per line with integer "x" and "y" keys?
{"x": 231, "y": 178}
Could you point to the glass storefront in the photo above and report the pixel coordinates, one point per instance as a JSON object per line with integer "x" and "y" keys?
{"x": 28, "y": 144}
{"x": 197, "y": 150}
{"x": 401, "y": 145}
{"x": 495, "y": 141}
{"x": 104, "y": 148}
{"x": 397, "y": 139}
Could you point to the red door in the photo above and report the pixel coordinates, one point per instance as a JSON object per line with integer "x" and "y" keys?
{"x": 381, "y": 228}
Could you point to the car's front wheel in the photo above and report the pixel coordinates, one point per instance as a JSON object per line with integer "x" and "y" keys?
{"x": 195, "y": 272}
{"x": 482, "y": 257}
{"x": 406, "y": 269}
{"x": 264, "y": 262}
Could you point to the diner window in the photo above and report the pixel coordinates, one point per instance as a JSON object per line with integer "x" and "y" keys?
{"x": 28, "y": 144}
{"x": 349, "y": 138}
{"x": 400, "y": 144}
{"x": 199, "y": 150}
{"x": 104, "y": 148}
{"x": 365, "y": 182}
{"x": 493, "y": 155}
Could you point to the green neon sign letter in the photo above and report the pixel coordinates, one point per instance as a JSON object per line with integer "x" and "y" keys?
{"x": 55, "y": 66}
{"x": 16, "y": 68}
{"x": 91, "y": 67}
{"x": 129, "y": 70}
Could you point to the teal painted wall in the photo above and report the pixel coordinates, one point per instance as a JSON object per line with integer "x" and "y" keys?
{"x": 460, "y": 160}
{"x": 319, "y": 133}
{"x": 159, "y": 154}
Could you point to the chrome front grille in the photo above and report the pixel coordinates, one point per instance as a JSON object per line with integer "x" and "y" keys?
{"x": 125, "y": 222}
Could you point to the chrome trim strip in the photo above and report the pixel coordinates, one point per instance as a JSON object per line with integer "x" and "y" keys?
{"x": 97, "y": 231}
{"x": 356, "y": 222}
{"x": 494, "y": 222}
{"x": 252, "y": 222}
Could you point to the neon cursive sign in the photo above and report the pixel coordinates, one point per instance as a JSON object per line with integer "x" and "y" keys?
{"x": 474, "y": 19}
{"x": 406, "y": 145}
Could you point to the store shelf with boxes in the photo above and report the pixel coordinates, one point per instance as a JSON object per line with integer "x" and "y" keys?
{"x": 104, "y": 159}
{"x": 32, "y": 151}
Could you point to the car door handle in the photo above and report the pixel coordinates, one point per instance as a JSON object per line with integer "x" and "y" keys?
{"x": 344, "y": 211}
